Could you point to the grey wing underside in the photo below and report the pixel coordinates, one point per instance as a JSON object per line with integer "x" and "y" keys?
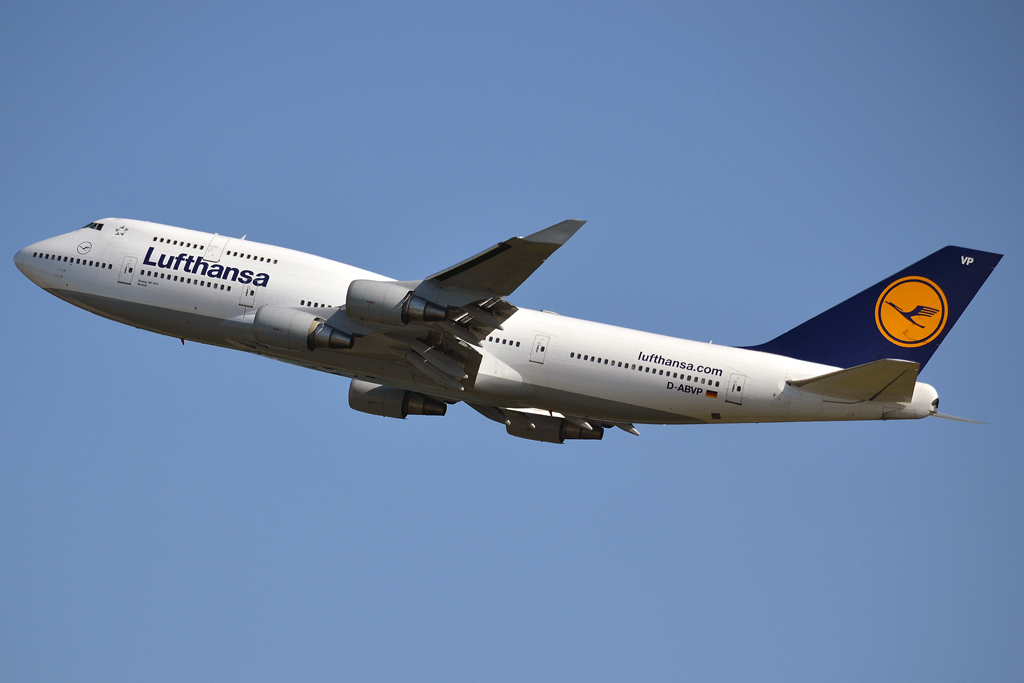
{"x": 500, "y": 270}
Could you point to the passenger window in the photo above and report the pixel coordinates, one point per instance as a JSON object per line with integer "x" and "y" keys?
{"x": 517, "y": 344}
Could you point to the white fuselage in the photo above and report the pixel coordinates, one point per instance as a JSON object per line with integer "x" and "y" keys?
{"x": 539, "y": 360}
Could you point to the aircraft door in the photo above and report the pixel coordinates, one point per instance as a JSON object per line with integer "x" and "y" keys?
{"x": 215, "y": 248}
{"x": 127, "y": 270}
{"x": 735, "y": 394}
{"x": 248, "y": 297}
{"x": 540, "y": 347}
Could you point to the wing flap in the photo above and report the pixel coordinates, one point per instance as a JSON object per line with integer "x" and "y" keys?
{"x": 880, "y": 380}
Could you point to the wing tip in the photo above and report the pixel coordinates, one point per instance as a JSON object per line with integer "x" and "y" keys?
{"x": 559, "y": 233}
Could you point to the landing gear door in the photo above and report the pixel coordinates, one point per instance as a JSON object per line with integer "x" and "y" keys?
{"x": 248, "y": 297}
{"x": 127, "y": 270}
{"x": 540, "y": 347}
{"x": 735, "y": 394}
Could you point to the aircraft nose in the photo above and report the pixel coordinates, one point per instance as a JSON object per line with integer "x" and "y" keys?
{"x": 27, "y": 264}
{"x": 20, "y": 260}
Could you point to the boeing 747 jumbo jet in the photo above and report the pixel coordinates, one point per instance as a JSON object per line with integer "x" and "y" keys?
{"x": 412, "y": 348}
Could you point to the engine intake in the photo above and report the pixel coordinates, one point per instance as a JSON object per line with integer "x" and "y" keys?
{"x": 286, "y": 328}
{"x": 389, "y": 303}
{"x": 550, "y": 429}
{"x": 377, "y": 399}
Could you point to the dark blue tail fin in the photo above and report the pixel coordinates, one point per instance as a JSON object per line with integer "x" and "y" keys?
{"x": 905, "y": 316}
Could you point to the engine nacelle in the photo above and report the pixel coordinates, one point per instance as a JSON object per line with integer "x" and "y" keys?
{"x": 389, "y": 303}
{"x": 377, "y": 399}
{"x": 286, "y": 328}
{"x": 550, "y": 429}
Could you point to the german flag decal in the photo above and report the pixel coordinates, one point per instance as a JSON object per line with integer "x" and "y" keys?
{"x": 712, "y": 394}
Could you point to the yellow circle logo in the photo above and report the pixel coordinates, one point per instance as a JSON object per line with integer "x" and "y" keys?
{"x": 911, "y": 311}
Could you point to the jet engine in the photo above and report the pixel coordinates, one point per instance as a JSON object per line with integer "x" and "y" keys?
{"x": 389, "y": 303}
{"x": 286, "y": 328}
{"x": 376, "y": 399}
{"x": 551, "y": 429}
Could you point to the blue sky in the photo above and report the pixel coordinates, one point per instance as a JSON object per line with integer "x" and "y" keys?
{"x": 190, "y": 513}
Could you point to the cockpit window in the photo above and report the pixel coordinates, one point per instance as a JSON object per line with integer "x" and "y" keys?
{"x": 94, "y": 226}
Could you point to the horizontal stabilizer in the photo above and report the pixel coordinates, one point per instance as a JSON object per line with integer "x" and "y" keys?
{"x": 881, "y": 380}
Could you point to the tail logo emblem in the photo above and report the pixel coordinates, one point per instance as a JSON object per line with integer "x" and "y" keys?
{"x": 911, "y": 311}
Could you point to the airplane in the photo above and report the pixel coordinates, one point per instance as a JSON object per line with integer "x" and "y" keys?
{"x": 414, "y": 347}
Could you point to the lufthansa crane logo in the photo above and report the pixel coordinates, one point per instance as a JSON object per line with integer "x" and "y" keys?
{"x": 911, "y": 311}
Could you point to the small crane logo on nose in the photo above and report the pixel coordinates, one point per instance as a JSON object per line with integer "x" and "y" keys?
{"x": 84, "y": 248}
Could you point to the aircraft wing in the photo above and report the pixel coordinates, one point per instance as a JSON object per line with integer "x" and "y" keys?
{"x": 498, "y": 271}
{"x": 448, "y": 352}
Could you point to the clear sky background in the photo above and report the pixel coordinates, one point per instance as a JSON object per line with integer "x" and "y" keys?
{"x": 186, "y": 513}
